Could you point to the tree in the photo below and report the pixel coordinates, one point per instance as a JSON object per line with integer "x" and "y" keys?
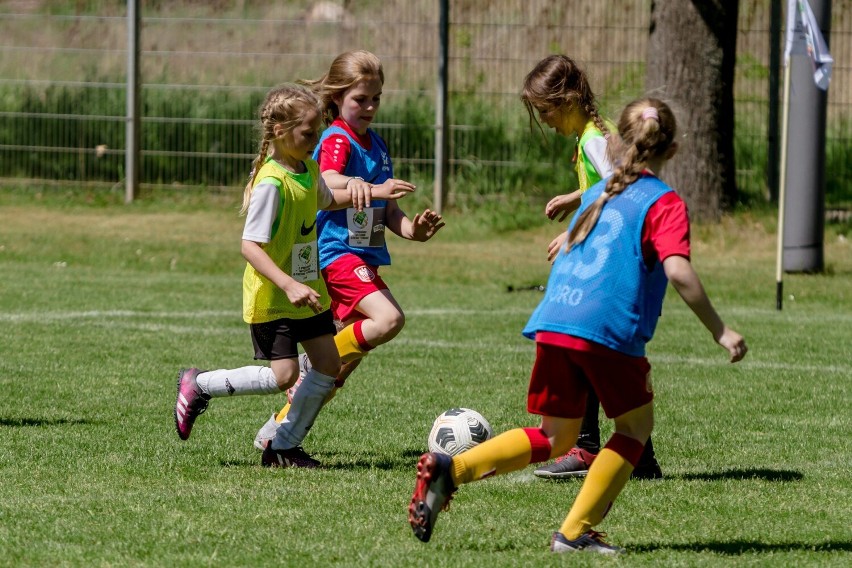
{"x": 691, "y": 57}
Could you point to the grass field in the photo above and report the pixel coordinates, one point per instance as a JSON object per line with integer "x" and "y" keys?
{"x": 101, "y": 304}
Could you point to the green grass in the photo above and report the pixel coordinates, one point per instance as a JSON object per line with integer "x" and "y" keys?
{"x": 101, "y": 304}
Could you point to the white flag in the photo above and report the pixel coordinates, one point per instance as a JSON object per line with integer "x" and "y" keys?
{"x": 804, "y": 36}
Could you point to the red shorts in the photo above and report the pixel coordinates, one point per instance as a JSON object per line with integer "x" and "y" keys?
{"x": 349, "y": 280}
{"x": 561, "y": 377}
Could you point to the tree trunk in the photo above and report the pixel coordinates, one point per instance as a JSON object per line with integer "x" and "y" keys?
{"x": 691, "y": 56}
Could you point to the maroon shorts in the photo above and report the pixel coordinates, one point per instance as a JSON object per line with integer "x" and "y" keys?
{"x": 561, "y": 377}
{"x": 349, "y": 280}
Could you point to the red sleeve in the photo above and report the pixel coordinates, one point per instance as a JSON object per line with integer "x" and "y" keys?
{"x": 334, "y": 153}
{"x": 666, "y": 229}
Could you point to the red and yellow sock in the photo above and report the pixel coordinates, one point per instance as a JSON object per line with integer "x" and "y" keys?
{"x": 507, "y": 452}
{"x": 350, "y": 342}
{"x": 607, "y": 476}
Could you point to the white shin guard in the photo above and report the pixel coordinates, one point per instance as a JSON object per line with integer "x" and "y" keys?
{"x": 235, "y": 382}
{"x": 306, "y": 405}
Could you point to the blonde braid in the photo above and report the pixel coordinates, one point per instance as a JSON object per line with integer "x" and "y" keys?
{"x": 284, "y": 105}
{"x": 642, "y": 139}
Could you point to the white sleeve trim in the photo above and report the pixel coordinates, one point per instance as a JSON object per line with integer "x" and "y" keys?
{"x": 595, "y": 151}
{"x": 324, "y": 194}
{"x": 262, "y": 212}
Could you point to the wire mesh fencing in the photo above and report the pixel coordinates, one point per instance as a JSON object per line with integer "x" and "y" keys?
{"x": 205, "y": 67}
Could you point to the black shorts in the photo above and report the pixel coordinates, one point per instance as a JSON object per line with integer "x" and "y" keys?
{"x": 278, "y": 339}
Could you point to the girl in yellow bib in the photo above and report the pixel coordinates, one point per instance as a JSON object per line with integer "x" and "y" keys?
{"x": 285, "y": 301}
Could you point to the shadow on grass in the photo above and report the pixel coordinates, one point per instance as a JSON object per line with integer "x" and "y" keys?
{"x": 346, "y": 462}
{"x": 782, "y": 475}
{"x": 738, "y": 547}
{"x": 405, "y": 460}
{"x": 22, "y": 422}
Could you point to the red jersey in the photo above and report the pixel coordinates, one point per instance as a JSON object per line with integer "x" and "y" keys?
{"x": 335, "y": 150}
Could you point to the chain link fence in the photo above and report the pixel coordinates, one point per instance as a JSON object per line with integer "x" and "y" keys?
{"x": 205, "y": 67}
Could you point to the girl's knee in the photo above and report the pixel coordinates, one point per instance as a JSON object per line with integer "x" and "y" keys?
{"x": 328, "y": 368}
{"x": 391, "y": 324}
{"x": 286, "y": 377}
{"x": 637, "y": 423}
{"x": 397, "y": 322}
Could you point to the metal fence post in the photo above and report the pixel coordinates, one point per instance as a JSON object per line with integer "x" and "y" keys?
{"x": 131, "y": 157}
{"x": 441, "y": 134}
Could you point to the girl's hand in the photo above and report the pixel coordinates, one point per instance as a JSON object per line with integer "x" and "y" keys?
{"x": 359, "y": 192}
{"x": 425, "y": 225}
{"x": 734, "y": 343}
{"x": 556, "y": 245}
{"x": 562, "y": 206}
{"x": 393, "y": 189}
{"x": 301, "y": 295}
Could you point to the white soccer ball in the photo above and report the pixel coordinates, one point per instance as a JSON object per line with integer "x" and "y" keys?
{"x": 458, "y": 430}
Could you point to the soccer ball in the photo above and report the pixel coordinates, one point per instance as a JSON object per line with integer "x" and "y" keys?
{"x": 458, "y": 430}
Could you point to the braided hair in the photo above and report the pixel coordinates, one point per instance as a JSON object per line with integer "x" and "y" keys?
{"x": 647, "y": 128}
{"x": 284, "y": 105}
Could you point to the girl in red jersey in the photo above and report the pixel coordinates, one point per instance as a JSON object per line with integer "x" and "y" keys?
{"x": 615, "y": 294}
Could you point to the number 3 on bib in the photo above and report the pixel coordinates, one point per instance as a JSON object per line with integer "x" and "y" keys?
{"x": 600, "y": 244}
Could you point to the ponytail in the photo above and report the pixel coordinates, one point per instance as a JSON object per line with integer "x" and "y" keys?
{"x": 647, "y": 129}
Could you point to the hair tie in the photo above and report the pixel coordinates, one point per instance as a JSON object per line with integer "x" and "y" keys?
{"x": 650, "y": 112}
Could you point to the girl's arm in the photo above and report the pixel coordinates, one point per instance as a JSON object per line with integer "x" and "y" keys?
{"x": 299, "y": 294}
{"x": 422, "y": 228}
{"x": 685, "y": 280}
{"x": 564, "y": 204}
{"x": 348, "y": 191}
{"x": 561, "y": 206}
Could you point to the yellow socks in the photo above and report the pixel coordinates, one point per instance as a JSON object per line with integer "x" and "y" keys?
{"x": 606, "y": 478}
{"x": 282, "y": 413}
{"x": 351, "y": 343}
{"x": 507, "y": 452}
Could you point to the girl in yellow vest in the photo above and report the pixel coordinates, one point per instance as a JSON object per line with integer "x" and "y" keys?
{"x": 557, "y": 93}
{"x": 285, "y": 301}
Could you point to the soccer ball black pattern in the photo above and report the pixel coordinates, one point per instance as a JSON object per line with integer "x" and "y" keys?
{"x": 458, "y": 430}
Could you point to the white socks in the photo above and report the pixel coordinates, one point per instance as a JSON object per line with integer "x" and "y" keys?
{"x": 304, "y": 409}
{"x": 234, "y": 382}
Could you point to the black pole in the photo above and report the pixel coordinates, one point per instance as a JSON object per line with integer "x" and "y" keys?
{"x": 441, "y": 133}
{"x": 773, "y": 138}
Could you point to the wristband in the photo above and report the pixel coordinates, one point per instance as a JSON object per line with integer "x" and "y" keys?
{"x": 350, "y": 179}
